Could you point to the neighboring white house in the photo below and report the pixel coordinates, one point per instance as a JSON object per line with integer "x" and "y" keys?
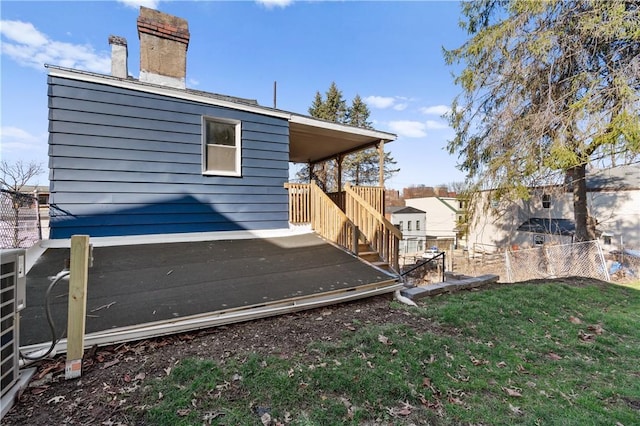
{"x": 613, "y": 199}
{"x": 443, "y": 214}
{"x": 411, "y": 222}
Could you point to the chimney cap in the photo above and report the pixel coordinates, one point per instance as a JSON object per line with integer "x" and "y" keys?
{"x": 163, "y": 25}
{"x": 120, "y": 41}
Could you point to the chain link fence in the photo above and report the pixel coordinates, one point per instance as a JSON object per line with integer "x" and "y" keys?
{"x": 19, "y": 220}
{"x": 584, "y": 259}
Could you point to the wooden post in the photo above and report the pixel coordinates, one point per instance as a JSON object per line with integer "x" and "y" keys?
{"x": 381, "y": 160}
{"x": 78, "y": 277}
{"x": 339, "y": 160}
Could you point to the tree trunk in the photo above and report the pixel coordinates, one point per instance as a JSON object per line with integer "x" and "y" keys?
{"x": 585, "y": 228}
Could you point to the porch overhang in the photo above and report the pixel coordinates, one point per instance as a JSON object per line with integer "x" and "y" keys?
{"x": 312, "y": 140}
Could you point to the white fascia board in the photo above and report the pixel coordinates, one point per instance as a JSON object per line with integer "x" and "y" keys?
{"x": 312, "y": 122}
{"x": 164, "y": 91}
{"x": 129, "y": 240}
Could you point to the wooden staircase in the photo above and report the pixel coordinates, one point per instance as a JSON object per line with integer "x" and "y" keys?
{"x": 366, "y": 253}
{"x": 358, "y": 225}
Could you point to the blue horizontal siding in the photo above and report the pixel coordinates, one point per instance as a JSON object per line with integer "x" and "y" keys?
{"x": 129, "y": 163}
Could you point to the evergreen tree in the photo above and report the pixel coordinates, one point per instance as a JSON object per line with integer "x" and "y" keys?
{"x": 548, "y": 88}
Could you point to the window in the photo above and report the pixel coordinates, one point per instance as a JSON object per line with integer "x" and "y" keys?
{"x": 409, "y": 226}
{"x": 417, "y": 225}
{"x": 538, "y": 239}
{"x": 400, "y": 226}
{"x": 546, "y": 201}
{"x": 221, "y": 147}
{"x": 606, "y": 239}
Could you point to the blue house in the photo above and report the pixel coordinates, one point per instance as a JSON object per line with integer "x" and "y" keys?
{"x": 149, "y": 156}
{"x": 184, "y": 195}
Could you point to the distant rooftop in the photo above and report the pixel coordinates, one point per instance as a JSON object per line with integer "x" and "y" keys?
{"x": 622, "y": 177}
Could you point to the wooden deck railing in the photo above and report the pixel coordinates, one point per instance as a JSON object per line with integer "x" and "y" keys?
{"x": 378, "y": 231}
{"x": 373, "y": 195}
{"x": 309, "y": 204}
{"x": 299, "y": 202}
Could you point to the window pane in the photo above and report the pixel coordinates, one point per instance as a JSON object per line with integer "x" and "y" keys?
{"x": 221, "y": 133}
{"x": 221, "y": 158}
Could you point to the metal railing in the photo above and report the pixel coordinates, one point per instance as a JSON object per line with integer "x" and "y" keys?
{"x": 420, "y": 270}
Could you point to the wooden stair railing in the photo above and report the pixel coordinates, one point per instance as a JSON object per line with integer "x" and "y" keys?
{"x": 309, "y": 204}
{"x": 382, "y": 236}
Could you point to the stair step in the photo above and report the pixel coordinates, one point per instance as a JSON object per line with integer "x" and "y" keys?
{"x": 369, "y": 255}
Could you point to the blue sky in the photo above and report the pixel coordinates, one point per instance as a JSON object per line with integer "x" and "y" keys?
{"x": 390, "y": 53}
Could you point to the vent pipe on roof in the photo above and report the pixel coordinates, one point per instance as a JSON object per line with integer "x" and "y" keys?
{"x": 164, "y": 40}
{"x": 119, "y": 56}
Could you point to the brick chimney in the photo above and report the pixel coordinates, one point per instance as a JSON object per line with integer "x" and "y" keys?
{"x": 164, "y": 40}
{"x": 119, "y": 56}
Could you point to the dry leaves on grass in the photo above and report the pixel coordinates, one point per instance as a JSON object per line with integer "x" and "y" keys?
{"x": 575, "y": 320}
{"x": 554, "y": 356}
{"x": 512, "y": 392}
{"x": 384, "y": 340}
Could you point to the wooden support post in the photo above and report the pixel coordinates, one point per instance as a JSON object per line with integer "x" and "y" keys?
{"x": 381, "y": 161}
{"x": 339, "y": 160}
{"x": 78, "y": 277}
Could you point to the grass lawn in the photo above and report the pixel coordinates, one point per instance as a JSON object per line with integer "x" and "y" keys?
{"x": 533, "y": 353}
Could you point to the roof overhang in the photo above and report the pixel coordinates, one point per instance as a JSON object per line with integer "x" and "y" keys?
{"x": 312, "y": 140}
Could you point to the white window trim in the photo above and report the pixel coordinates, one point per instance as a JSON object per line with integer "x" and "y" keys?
{"x": 238, "y": 135}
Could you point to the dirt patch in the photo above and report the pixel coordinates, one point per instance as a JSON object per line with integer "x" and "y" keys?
{"x": 113, "y": 376}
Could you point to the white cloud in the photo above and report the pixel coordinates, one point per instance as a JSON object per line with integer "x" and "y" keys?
{"x": 135, "y": 4}
{"x": 193, "y": 82}
{"x": 270, "y": 4}
{"x": 15, "y": 139}
{"x": 400, "y": 107}
{"x": 434, "y": 125}
{"x": 435, "y": 110}
{"x": 407, "y": 128}
{"x": 29, "y": 47}
{"x": 381, "y": 102}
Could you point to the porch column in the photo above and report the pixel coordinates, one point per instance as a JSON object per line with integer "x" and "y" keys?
{"x": 339, "y": 160}
{"x": 381, "y": 164}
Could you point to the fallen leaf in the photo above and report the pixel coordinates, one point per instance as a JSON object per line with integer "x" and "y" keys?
{"x": 384, "y": 339}
{"x": 515, "y": 410}
{"x": 183, "y": 412}
{"x": 394, "y": 352}
{"x": 140, "y": 376}
{"x": 56, "y": 399}
{"x": 369, "y": 364}
{"x": 554, "y": 356}
{"x": 586, "y": 337}
{"x": 39, "y": 390}
{"x": 455, "y": 400}
{"x": 127, "y": 378}
{"x": 512, "y": 392}
{"x": 596, "y": 329}
{"x": 501, "y": 364}
{"x": 426, "y": 382}
{"x": 431, "y": 359}
{"x": 475, "y": 361}
{"x": 110, "y": 363}
{"x": 575, "y": 320}
{"x": 266, "y": 419}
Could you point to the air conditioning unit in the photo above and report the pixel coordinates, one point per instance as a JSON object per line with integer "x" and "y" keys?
{"x": 12, "y": 300}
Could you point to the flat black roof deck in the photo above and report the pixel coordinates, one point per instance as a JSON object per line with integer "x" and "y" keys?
{"x": 150, "y": 283}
